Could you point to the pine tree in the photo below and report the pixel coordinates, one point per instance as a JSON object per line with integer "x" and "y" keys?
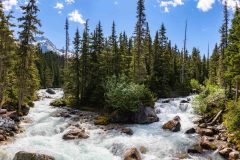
{"x": 196, "y": 64}
{"x": 148, "y": 51}
{"x": 139, "y": 68}
{"x": 7, "y": 56}
{"x": 232, "y": 56}
{"x": 85, "y": 61}
{"x": 213, "y": 65}
{"x": 67, "y": 41}
{"x": 27, "y": 76}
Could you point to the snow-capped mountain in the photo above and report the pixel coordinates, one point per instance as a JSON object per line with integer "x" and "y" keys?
{"x": 47, "y": 45}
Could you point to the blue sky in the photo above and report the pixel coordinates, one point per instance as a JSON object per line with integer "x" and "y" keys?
{"x": 204, "y": 18}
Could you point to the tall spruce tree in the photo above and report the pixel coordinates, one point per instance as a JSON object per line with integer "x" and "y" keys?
{"x": 139, "y": 68}
{"x": 7, "y": 56}
{"x": 27, "y": 76}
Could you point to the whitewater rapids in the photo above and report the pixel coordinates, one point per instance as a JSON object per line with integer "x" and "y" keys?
{"x": 43, "y": 134}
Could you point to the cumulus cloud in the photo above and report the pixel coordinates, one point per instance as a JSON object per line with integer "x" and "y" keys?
{"x": 169, "y": 3}
{"x": 59, "y": 5}
{"x": 9, "y": 4}
{"x": 75, "y": 16}
{"x": 70, "y": 1}
{"x": 231, "y": 3}
{"x": 205, "y": 5}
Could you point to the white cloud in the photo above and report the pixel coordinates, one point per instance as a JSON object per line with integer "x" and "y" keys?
{"x": 75, "y": 16}
{"x": 70, "y": 1}
{"x": 231, "y": 3}
{"x": 115, "y": 2}
{"x": 59, "y": 5}
{"x": 205, "y": 5}
{"x": 170, "y": 3}
{"x": 9, "y": 4}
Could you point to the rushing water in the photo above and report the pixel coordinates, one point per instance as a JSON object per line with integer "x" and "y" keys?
{"x": 44, "y": 135}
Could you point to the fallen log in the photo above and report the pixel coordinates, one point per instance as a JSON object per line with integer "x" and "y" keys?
{"x": 216, "y": 118}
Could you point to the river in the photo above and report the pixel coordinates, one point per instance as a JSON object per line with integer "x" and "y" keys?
{"x": 43, "y": 134}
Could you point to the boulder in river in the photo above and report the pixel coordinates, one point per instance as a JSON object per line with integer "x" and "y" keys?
{"x": 206, "y": 144}
{"x": 50, "y": 91}
{"x": 127, "y": 131}
{"x": 195, "y": 149}
{"x": 132, "y": 154}
{"x": 234, "y": 155}
{"x": 205, "y": 132}
{"x": 3, "y": 111}
{"x": 31, "y": 156}
{"x": 190, "y": 131}
{"x": 75, "y": 133}
{"x": 173, "y": 125}
{"x": 225, "y": 152}
{"x": 144, "y": 115}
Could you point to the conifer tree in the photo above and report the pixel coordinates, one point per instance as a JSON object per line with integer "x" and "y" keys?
{"x": 7, "y": 56}
{"x": 148, "y": 51}
{"x": 139, "y": 68}
{"x": 27, "y": 76}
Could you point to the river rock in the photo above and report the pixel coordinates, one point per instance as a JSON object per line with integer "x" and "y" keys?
{"x": 205, "y": 132}
{"x": 75, "y": 133}
{"x": 2, "y": 137}
{"x": 173, "y": 125}
{"x": 190, "y": 131}
{"x": 184, "y": 101}
{"x": 31, "y": 156}
{"x": 132, "y": 154}
{"x": 25, "y": 110}
{"x": 195, "y": 149}
{"x": 206, "y": 144}
{"x": 144, "y": 115}
{"x": 165, "y": 101}
{"x": 225, "y": 152}
{"x": 234, "y": 155}
{"x": 50, "y": 91}
{"x": 158, "y": 111}
{"x": 14, "y": 116}
{"x": 3, "y": 111}
{"x": 127, "y": 131}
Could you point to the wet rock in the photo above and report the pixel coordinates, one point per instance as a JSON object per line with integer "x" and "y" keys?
{"x": 143, "y": 150}
{"x": 75, "y": 133}
{"x": 173, "y": 125}
{"x": 50, "y": 91}
{"x": 132, "y": 154}
{"x": 234, "y": 155}
{"x": 205, "y": 132}
{"x": 195, "y": 149}
{"x": 127, "y": 131}
{"x": 61, "y": 113}
{"x": 8, "y": 124}
{"x": 32, "y": 156}
{"x": 190, "y": 131}
{"x": 14, "y": 116}
{"x": 165, "y": 101}
{"x": 184, "y": 101}
{"x": 158, "y": 111}
{"x": 25, "y": 110}
{"x": 2, "y": 137}
{"x": 225, "y": 152}
{"x": 203, "y": 125}
{"x": 144, "y": 115}
{"x": 206, "y": 144}
{"x": 3, "y": 111}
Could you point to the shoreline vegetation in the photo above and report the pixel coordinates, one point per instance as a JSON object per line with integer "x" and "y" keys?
{"x": 121, "y": 76}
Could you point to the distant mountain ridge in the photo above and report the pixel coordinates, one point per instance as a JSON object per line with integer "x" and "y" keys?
{"x": 46, "y": 45}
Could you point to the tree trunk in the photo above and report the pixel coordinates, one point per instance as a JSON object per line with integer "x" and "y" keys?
{"x": 236, "y": 97}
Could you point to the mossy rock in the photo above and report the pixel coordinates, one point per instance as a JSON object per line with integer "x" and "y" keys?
{"x": 101, "y": 120}
{"x": 59, "y": 103}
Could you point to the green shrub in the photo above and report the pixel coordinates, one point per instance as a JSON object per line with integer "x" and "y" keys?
{"x": 125, "y": 96}
{"x": 211, "y": 94}
{"x": 195, "y": 84}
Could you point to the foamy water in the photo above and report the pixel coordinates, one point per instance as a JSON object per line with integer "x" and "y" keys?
{"x": 44, "y": 135}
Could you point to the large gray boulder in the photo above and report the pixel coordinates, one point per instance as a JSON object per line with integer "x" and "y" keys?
{"x": 144, "y": 115}
{"x": 31, "y": 156}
